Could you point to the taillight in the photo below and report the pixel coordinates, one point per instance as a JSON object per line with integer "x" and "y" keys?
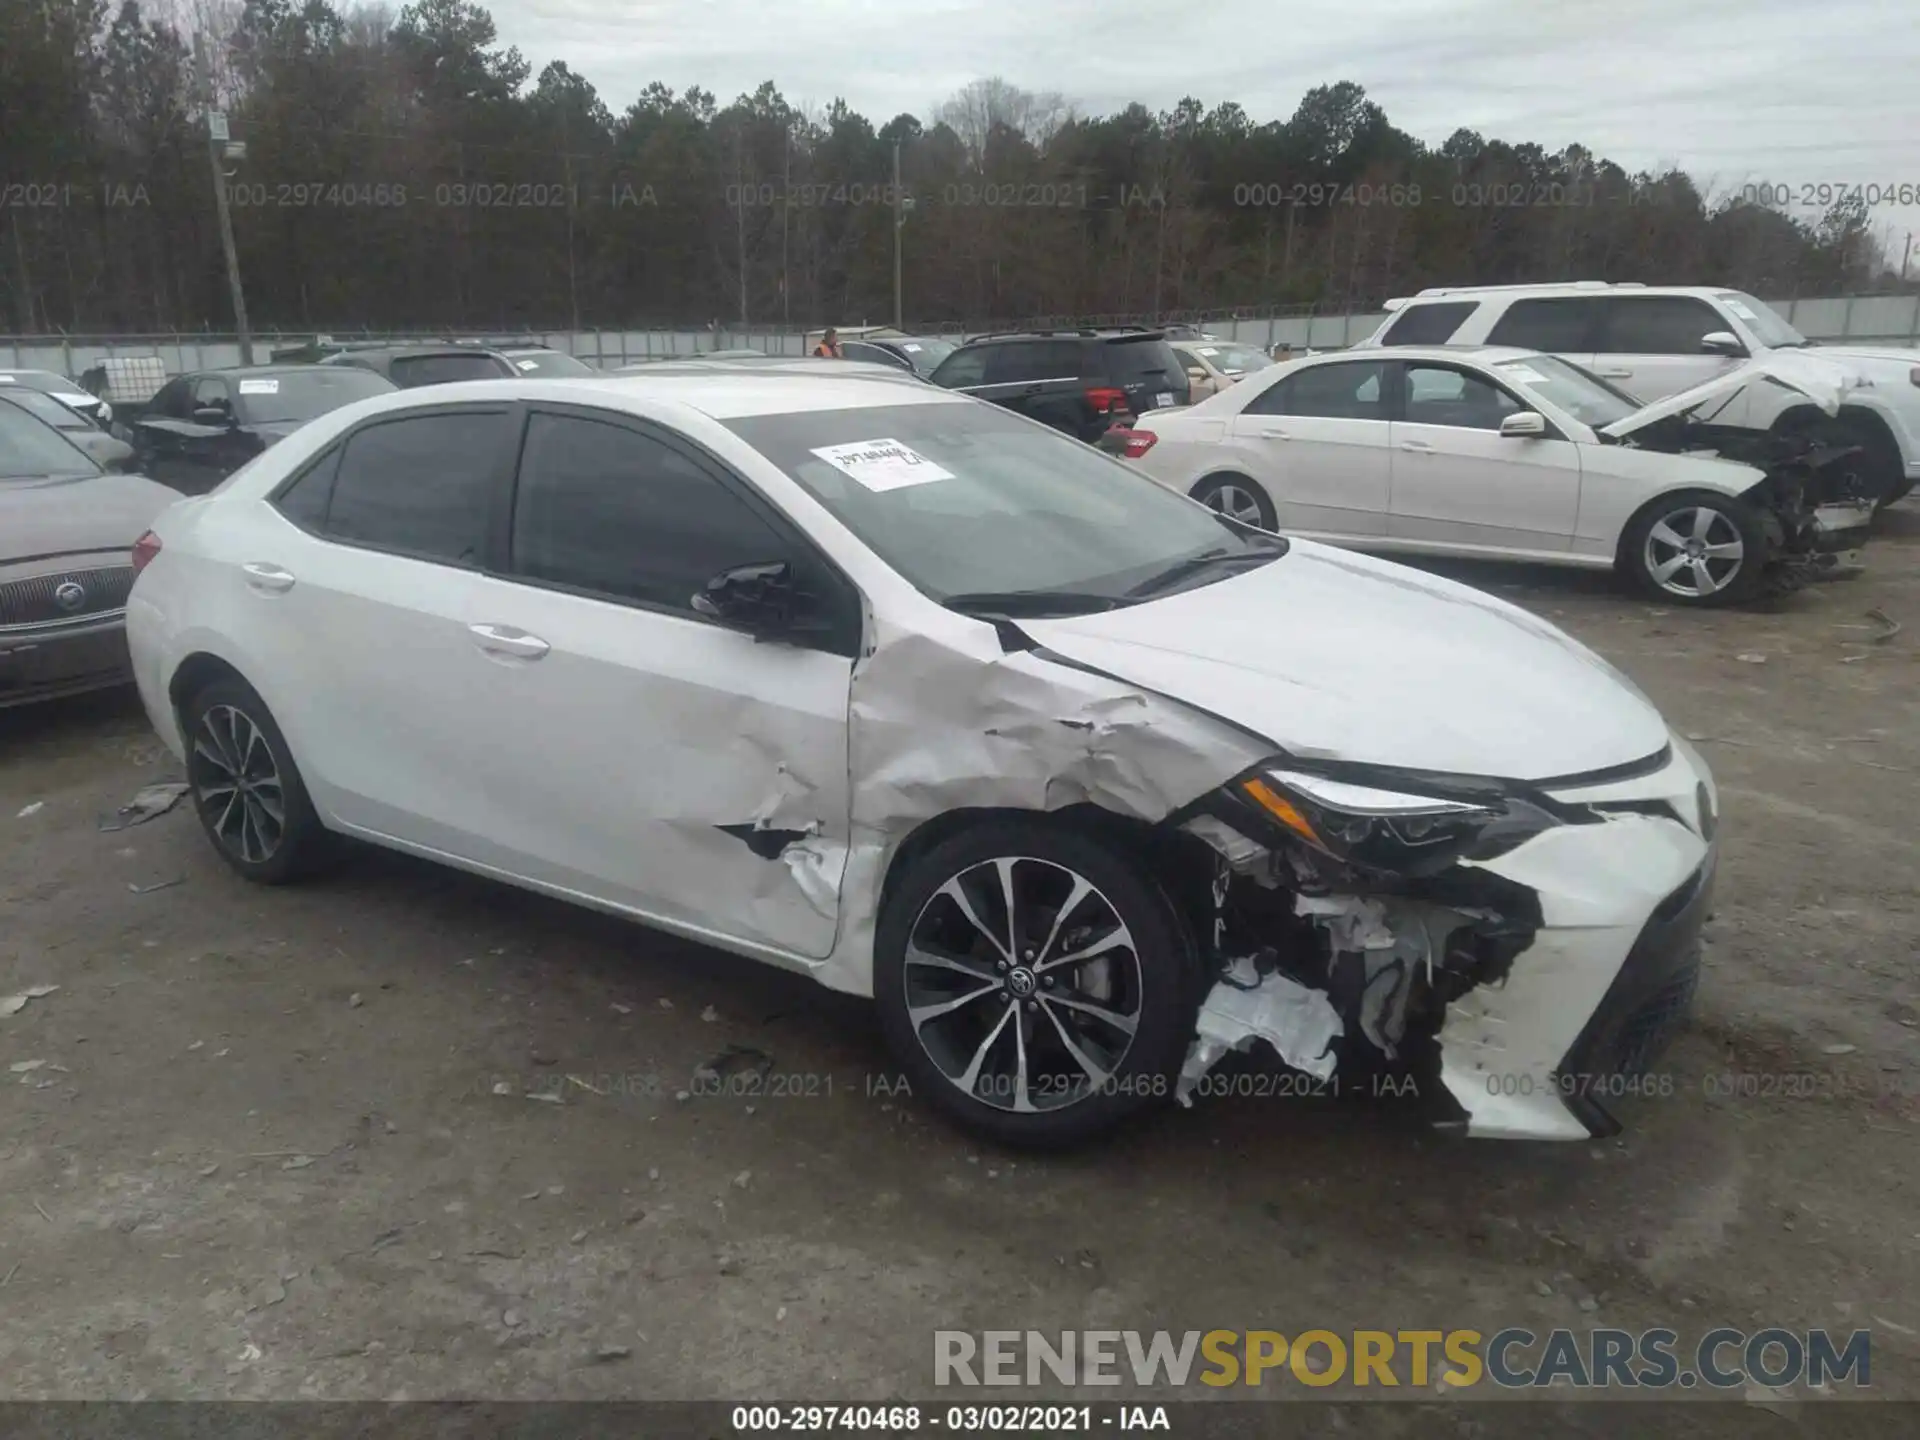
{"x": 1133, "y": 443}
{"x": 144, "y": 549}
{"x": 1106, "y": 400}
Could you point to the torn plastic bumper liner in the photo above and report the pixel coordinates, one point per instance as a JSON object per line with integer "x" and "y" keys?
{"x": 1529, "y": 946}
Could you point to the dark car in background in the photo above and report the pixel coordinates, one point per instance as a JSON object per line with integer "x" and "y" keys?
{"x": 70, "y": 393}
{"x": 408, "y": 366}
{"x": 921, "y": 354}
{"x": 1079, "y": 381}
{"x": 68, "y": 528}
{"x": 107, "y": 451}
{"x": 202, "y": 427}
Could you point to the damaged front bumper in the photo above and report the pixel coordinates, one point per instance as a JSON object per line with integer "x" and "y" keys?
{"x": 1534, "y": 979}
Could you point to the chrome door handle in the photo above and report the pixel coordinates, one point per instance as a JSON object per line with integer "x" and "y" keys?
{"x": 1614, "y": 374}
{"x": 267, "y": 579}
{"x": 1273, "y": 434}
{"x": 1419, "y": 447}
{"x": 505, "y": 640}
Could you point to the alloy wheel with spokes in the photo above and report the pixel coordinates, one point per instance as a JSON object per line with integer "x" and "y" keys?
{"x": 1237, "y": 499}
{"x": 238, "y": 784}
{"x": 1694, "y": 552}
{"x": 1022, "y": 984}
{"x": 1036, "y": 979}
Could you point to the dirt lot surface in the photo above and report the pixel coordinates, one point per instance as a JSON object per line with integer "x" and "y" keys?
{"x": 280, "y": 1143}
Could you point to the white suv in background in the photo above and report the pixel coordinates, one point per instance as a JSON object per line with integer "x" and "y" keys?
{"x": 1655, "y": 341}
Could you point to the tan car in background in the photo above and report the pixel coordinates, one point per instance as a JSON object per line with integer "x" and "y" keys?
{"x": 1213, "y": 365}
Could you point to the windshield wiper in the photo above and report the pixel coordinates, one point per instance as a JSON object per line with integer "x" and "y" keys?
{"x": 1205, "y": 560}
{"x": 1035, "y": 603}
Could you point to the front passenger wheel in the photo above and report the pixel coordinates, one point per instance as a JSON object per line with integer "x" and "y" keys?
{"x": 1033, "y": 983}
{"x": 1238, "y": 498}
{"x": 246, "y": 789}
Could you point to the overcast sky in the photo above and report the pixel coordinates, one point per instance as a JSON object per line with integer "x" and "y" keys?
{"x": 1735, "y": 91}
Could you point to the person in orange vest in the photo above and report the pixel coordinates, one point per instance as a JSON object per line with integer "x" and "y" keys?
{"x": 829, "y": 346}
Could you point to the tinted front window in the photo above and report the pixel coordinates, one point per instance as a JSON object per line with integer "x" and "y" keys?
{"x": 1658, "y": 325}
{"x": 421, "y": 485}
{"x": 1569, "y": 388}
{"x": 299, "y": 395}
{"x": 1432, "y": 324}
{"x": 1556, "y": 326}
{"x": 871, "y": 354}
{"x": 411, "y": 370}
{"x": 30, "y": 448}
{"x": 964, "y": 499}
{"x": 1349, "y": 390}
{"x": 305, "y": 501}
{"x": 604, "y": 508}
{"x": 1441, "y": 395}
{"x": 173, "y": 401}
{"x": 963, "y": 367}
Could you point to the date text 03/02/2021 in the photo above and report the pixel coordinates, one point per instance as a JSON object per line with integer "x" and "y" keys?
{"x": 947, "y": 1419}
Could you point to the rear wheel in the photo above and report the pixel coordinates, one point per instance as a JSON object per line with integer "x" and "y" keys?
{"x": 249, "y": 795}
{"x": 1238, "y": 498}
{"x": 1033, "y": 983}
{"x": 1695, "y": 548}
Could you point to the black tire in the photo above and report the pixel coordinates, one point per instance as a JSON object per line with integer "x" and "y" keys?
{"x": 1031, "y": 1053}
{"x": 1678, "y": 513}
{"x": 227, "y": 719}
{"x": 1882, "y": 475}
{"x": 1215, "y": 493}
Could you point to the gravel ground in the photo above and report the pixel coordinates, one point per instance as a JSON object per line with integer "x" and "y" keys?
{"x": 405, "y": 1133}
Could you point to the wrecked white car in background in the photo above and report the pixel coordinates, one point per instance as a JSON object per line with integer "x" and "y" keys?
{"x": 1495, "y": 453}
{"x": 1085, "y": 784}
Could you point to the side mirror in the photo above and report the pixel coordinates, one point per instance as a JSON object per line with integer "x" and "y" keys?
{"x": 212, "y": 415}
{"x": 113, "y": 453}
{"x": 1722, "y": 342}
{"x": 1524, "y": 424}
{"x": 761, "y": 599}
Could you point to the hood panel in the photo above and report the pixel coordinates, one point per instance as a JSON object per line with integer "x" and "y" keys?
{"x": 1822, "y": 381}
{"x": 1333, "y": 654}
{"x": 63, "y": 517}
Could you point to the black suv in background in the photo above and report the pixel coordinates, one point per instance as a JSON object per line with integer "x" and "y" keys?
{"x": 1079, "y": 381}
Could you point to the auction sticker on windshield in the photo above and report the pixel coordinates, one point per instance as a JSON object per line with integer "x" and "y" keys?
{"x": 882, "y": 464}
{"x": 259, "y": 387}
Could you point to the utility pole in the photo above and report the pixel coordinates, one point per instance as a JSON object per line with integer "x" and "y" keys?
{"x": 899, "y": 220}
{"x": 217, "y": 142}
{"x": 786, "y": 212}
{"x": 740, "y": 216}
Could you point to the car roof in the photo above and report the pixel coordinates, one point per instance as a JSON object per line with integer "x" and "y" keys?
{"x": 408, "y": 352}
{"x": 1123, "y": 332}
{"x": 720, "y": 391}
{"x": 292, "y": 367}
{"x": 1552, "y": 290}
{"x": 1484, "y": 354}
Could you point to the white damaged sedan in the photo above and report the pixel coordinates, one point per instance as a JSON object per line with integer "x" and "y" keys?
{"x": 1085, "y": 784}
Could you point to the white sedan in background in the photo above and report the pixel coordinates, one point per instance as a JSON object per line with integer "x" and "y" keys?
{"x": 1212, "y": 365}
{"x": 1499, "y": 453}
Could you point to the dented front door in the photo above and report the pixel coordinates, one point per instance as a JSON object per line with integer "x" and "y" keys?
{"x": 666, "y": 764}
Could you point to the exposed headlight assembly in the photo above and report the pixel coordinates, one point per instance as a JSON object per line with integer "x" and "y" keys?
{"x": 1393, "y": 831}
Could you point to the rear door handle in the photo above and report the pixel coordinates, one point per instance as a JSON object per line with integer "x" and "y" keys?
{"x": 505, "y": 640}
{"x": 1418, "y": 447}
{"x": 1273, "y": 435}
{"x": 1614, "y": 374}
{"x": 267, "y": 579}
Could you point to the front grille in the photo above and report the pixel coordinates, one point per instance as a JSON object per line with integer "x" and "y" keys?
{"x": 64, "y": 595}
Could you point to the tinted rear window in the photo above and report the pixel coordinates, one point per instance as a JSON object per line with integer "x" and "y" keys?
{"x": 1429, "y": 324}
{"x": 412, "y": 370}
{"x": 1146, "y": 359}
{"x": 420, "y": 485}
{"x": 1556, "y": 326}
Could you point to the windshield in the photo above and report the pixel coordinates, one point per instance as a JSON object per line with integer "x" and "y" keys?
{"x": 548, "y": 363}
{"x": 1765, "y": 323}
{"x": 303, "y": 394}
{"x": 30, "y": 450}
{"x": 1569, "y": 388}
{"x": 1234, "y": 359}
{"x": 970, "y": 500}
{"x": 49, "y": 410}
{"x": 925, "y": 355}
{"x": 43, "y": 381}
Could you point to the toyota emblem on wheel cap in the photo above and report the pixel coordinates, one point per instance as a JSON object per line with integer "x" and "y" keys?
{"x": 70, "y": 595}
